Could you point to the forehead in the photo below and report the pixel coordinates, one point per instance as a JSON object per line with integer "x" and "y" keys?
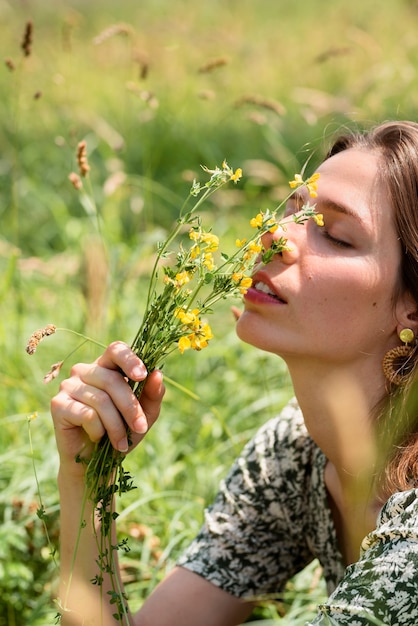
{"x": 353, "y": 178}
{"x": 353, "y": 168}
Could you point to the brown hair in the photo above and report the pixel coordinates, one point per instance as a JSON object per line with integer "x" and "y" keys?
{"x": 396, "y": 143}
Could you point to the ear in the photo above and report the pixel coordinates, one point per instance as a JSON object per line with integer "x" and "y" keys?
{"x": 407, "y": 313}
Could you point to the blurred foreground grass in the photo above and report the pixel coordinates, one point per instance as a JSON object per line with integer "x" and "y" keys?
{"x": 157, "y": 88}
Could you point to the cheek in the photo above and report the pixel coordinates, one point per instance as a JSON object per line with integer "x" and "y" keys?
{"x": 349, "y": 291}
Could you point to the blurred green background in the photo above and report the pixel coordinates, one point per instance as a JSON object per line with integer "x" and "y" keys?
{"x": 157, "y": 88}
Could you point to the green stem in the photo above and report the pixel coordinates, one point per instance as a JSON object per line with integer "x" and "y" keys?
{"x": 42, "y": 514}
{"x": 182, "y": 220}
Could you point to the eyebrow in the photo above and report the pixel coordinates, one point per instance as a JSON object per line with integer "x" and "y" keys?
{"x": 326, "y": 203}
{"x": 340, "y": 208}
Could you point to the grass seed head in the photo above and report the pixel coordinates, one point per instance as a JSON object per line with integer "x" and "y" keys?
{"x": 75, "y": 180}
{"x": 26, "y": 44}
{"x": 212, "y": 65}
{"x": 37, "y": 336}
{"x": 10, "y": 64}
{"x": 53, "y": 372}
{"x": 83, "y": 164}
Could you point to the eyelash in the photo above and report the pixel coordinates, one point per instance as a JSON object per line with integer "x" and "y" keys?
{"x": 336, "y": 242}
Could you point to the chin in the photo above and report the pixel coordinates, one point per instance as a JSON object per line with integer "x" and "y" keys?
{"x": 253, "y": 331}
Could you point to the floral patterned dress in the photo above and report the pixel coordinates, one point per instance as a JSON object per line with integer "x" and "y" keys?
{"x": 272, "y": 517}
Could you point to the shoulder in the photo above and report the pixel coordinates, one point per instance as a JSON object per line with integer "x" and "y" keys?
{"x": 397, "y": 521}
{"x": 281, "y": 455}
{"x": 256, "y": 532}
{"x": 382, "y": 584}
{"x": 283, "y": 437}
{"x": 288, "y": 425}
{"x": 400, "y": 506}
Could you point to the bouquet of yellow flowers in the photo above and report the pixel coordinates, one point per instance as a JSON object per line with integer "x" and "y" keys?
{"x": 184, "y": 286}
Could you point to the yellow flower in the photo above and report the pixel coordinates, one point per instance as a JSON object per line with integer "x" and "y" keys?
{"x": 312, "y": 185}
{"x": 182, "y": 279}
{"x": 207, "y": 331}
{"x": 296, "y": 182}
{"x": 273, "y": 226}
{"x": 202, "y": 332}
{"x": 237, "y": 175}
{"x": 245, "y": 283}
{"x": 319, "y": 219}
{"x": 257, "y": 221}
{"x": 195, "y": 342}
{"x": 208, "y": 261}
{"x": 187, "y": 317}
{"x": 194, "y": 234}
{"x": 236, "y": 277}
{"x": 314, "y": 178}
{"x": 240, "y": 242}
{"x": 194, "y": 252}
{"x": 254, "y": 247}
{"x": 200, "y": 338}
{"x": 211, "y": 241}
{"x": 184, "y": 344}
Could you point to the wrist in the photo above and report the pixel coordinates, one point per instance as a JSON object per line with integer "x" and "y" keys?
{"x": 70, "y": 477}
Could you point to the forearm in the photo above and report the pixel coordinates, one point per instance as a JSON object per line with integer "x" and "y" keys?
{"x": 96, "y": 400}
{"x": 82, "y": 602}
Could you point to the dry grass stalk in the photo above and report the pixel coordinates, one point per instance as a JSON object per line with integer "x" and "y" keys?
{"x": 213, "y": 65}
{"x": 26, "y": 44}
{"x": 264, "y": 103}
{"x": 112, "y": 31}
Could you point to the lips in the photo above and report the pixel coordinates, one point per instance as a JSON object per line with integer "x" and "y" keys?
{"x": 263, "y": 290}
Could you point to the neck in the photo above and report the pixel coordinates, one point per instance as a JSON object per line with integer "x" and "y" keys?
{"x": 354, "y": 507}
{"x": 337, "y": 404}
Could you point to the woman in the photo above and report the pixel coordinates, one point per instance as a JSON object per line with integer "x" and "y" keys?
{"x": 339, "y": 464}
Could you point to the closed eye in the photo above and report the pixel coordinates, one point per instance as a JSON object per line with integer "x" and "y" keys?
{"x": 334, "y": 240}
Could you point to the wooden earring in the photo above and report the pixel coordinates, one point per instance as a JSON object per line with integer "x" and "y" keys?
{"x": 395, "y": 360}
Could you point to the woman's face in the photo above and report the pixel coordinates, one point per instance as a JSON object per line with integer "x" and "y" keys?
{"x": 333, "y": 290}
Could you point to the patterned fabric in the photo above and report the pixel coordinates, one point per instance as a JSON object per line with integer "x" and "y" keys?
{"x": 271, "y": 518}
{"x": 382, "y": 587}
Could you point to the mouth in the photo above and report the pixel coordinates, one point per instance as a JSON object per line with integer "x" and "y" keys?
{"x": 262, "y": 287}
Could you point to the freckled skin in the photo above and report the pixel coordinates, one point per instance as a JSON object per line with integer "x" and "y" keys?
{"x": 332, "y": 290}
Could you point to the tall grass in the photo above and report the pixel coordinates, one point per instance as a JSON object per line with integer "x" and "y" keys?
{"x": 157, "y": 88}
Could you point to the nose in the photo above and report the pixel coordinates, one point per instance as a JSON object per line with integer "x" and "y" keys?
{"x": 287, "y": 244}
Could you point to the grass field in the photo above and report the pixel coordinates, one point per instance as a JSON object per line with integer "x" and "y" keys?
{"x": 156, "y": 89}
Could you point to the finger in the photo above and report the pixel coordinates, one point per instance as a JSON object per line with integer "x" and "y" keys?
{"x": 118, "y": 355}
{"x": 67, "y": 415}
{"x": 92, "y": 409}
{"x": 236, "y": 312}
{"x": 79, "y": 415}
{"x": 151, "y": 398}
{"x": 114, "y": 385}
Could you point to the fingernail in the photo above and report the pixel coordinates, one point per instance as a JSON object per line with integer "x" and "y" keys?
{"x": 140, "y": 425}
{"x": 139, "y": 371}
{"x": 123, "y": 445}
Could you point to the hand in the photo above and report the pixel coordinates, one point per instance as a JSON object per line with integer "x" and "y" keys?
{"x": 96, "y": 397}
